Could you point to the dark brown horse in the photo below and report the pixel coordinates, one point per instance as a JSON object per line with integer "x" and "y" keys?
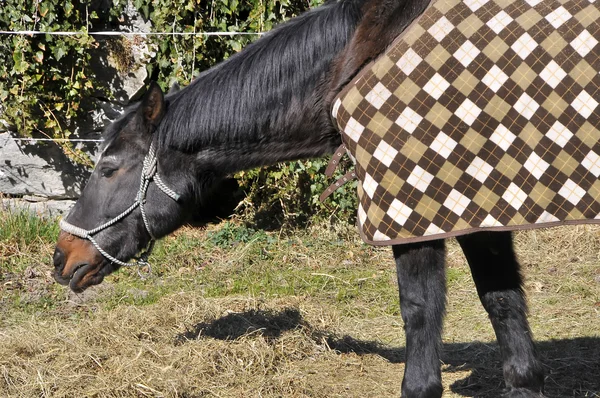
{"x": 165, "y": 158}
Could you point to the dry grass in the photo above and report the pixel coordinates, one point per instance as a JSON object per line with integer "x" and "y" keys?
{"x": 313, "y": 316}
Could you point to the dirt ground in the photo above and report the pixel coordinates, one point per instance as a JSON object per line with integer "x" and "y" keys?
{"x": 317, "y": 317}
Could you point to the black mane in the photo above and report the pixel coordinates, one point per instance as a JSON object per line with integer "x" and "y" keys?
{"x": 267, "y": 88}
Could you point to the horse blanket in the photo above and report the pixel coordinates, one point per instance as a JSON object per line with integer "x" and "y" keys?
{"x": 483, "y": 114}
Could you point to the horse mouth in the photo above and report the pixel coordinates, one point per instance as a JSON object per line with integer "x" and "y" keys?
{"x": 83, "y": 276}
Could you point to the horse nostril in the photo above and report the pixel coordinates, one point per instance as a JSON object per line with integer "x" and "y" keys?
{"x": 58, "y": 258}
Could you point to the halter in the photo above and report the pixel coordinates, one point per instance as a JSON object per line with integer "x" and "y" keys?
{"x": 149, "y": 173}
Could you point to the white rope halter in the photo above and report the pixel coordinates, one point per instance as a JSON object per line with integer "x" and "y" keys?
{"x": 149, "y": 173}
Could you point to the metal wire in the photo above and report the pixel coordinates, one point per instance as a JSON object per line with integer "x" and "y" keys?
{"x": 109, "y": 33}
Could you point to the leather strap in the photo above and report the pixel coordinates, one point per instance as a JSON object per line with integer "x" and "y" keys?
{"x": 335, "y": 160}
{"x": 349, "y": 176}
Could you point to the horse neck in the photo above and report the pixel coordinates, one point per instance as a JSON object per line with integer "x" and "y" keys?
{"x": 269, "y": 134}
{"x": 271, "y": 149}
{"x": 268, "y": 103}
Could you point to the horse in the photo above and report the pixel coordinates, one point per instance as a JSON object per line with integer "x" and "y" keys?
{"x": 166, "y": 157}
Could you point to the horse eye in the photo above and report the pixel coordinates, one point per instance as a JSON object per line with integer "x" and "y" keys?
{"x": 107, "y": 173}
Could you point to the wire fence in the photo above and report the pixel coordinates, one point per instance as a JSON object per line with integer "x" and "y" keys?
{"x": 27, "y": 139}
{"x": 110, "y": 33}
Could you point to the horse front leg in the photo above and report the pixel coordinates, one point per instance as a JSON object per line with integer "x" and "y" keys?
{"x": 497, "y": 276}
{"x": 422, "y": 286}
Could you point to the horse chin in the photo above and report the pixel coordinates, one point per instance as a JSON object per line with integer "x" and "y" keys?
{"x": 87, "y": 275}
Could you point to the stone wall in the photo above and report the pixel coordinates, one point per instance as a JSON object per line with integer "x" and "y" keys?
{"x": 37, "y": 175}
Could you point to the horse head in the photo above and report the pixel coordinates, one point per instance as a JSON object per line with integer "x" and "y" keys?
{"x": 131, "y": 199}
{"x": 165, "y": 162}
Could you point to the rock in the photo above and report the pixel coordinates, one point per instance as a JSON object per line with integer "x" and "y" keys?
{"x": 38, "y": 169}
{"x": 41, "y": 206}
{"x": 38, "y": 176}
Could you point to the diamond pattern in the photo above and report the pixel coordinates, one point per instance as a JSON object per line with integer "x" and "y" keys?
{"x": 584, "y": 104}
{"x": 499, "y": 22}
{"x": 503, "y": 137}
{"x": 441, "y": 28}
{"x": 490, "y": 221}
{"x": 546, "y": 217}
{"x": 559, "y": 134}
{"x": 468, "y": 112}
{"x": 479, "y": 169}
{"x": 399, "y": 211}
{"x": 558, "y": 17}
{"x": 362, "y": 214}
{"x": 524, "y": 45}
{"x": 385, "y": 153}
{"x": 456, "y": 202}
{"x": 514, "y": 196}
{"x": 475, "y": 5}
{"x": 572, "y": 192}
{"x": 420, "y": 179}
{"x": 433, "y": 229}
{"x": 436, "y": 86}
{"x": 378, "y": 95}
{"x": 466, "y": 53}
{"x": 354, "y": 129}
{"x": 526, "y": 106}
{"x": 380, "y": 237}
{"x": 336, "y": 108}
{"x": 553, "y": 74}
{"x": 592, "y": 163}
{"x": 517, "y": 120}
{"x": 443, "y": 144}
{"x": 369, "y": 185}
{"x": 409, "y": 120}
{"x": 495, "y": 78}
{"x": 584, "y": 43}
{"x": 409, "y": 61}
{"x": 536, "y": 165}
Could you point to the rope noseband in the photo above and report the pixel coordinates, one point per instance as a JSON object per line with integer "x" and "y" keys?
{"x": 149, "y": 173}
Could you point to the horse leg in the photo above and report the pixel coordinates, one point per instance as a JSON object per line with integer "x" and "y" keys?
{"x": 497, "y": 277}
{"x": 422, "y": 286}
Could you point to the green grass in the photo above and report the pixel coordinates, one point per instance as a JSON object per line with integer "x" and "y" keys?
{"x": 24, "y": 227}
{"x": 227, "y": 260}
{"x": 118, "y": 338}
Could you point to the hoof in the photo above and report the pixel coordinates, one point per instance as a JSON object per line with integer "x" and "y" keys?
{"x": 434, "y": 391}
{"x": 522, "y": 393}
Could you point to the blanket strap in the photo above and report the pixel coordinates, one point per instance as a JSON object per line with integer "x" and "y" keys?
{"x": 333, "y": 163}
{"x": 349, "y": 176}
{"x": 335, "y": 160}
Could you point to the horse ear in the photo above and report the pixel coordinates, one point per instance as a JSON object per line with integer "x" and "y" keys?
{"x": 153, "y": 105}
{"x": 174, "y": 88}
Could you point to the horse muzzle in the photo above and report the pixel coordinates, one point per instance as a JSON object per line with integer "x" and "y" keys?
{"x": 77, "y": 263}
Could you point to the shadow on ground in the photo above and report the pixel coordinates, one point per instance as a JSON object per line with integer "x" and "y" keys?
{"x": 572, "y": 365}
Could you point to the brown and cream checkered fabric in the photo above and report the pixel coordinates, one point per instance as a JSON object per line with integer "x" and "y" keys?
{"x": 483, "y": 115}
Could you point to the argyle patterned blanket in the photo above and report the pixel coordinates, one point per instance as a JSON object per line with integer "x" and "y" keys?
{"x": 483, "y": 114}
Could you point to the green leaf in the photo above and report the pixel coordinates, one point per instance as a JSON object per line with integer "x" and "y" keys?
{"x": 20, "y": 65}
{"x": 58, "y": 51}
{"x": 68, "y": 8}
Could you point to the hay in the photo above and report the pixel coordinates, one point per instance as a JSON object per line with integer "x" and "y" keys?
{"x": 301, "y": 345}
{"x": 183, "y": 346}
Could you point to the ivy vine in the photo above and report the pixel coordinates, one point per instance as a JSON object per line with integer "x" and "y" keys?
{"x": 46, "y": 80}
{"x": 43, "y": 78}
